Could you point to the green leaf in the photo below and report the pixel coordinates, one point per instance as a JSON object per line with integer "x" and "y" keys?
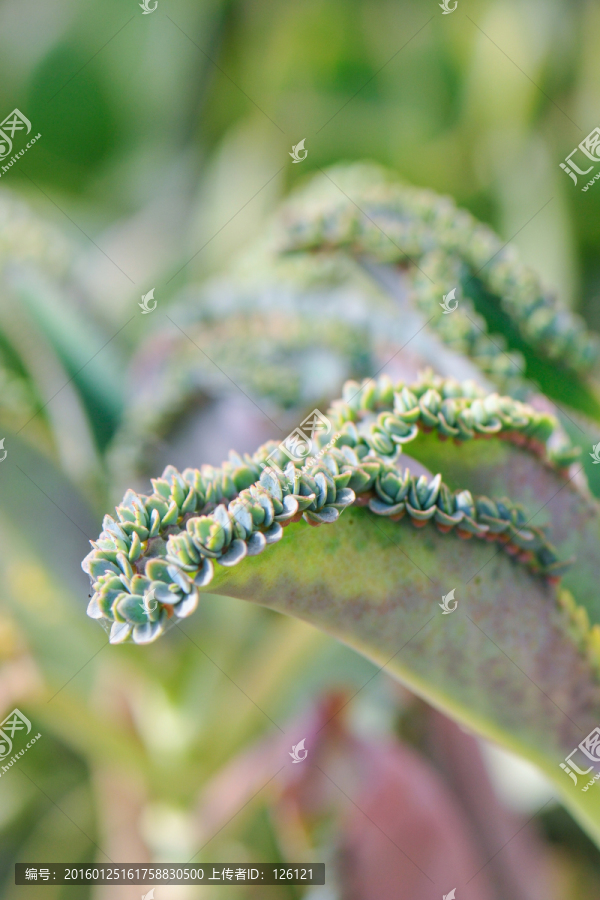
{"x": 502, "y": 664}
{"x": 498, "y": 468}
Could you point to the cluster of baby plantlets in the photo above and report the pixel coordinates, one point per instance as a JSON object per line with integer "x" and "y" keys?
{"x": 151, "y": 561}
{"x": 366, "y": 212}
{"x": 284, "y": 303}
{"x": 387, "y": 416}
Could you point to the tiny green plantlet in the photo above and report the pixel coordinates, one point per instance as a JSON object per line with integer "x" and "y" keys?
{"x": 491, "y": 507}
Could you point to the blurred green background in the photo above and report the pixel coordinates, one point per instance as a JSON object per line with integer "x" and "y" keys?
{"x": 165, "y": 148}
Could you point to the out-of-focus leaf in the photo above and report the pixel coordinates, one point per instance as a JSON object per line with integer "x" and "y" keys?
{"x": 95, "y": 369}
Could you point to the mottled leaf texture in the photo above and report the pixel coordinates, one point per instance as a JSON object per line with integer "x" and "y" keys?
{"x": 502, "y": 664}
{"x": 498, "y": 468}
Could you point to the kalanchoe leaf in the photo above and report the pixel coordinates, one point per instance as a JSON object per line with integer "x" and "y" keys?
{"x": 135, "y": 551}
{"x": 180, "y": 578}
{"x": 290, "y": 509}
{"x": 221, "y": 516}
{"x": 235, "y": 554}
{"x": 420, "y": 515}
{"x": 243, "y": 524}
{"x": 139, "y": 584}
{"x": 149, "y": 554}
{"x": 98, "y": 566}
{"x": 380, "y": 442}
{"x": 163, "y": 593}
{"x": 466, "y": 424}
{"x": 348, "y": 436}
{"x": 304, "y": 501}
{"x": 271, "y": 484}
{"x": 431, "y": 491}
{"x": 321, "y": 485}
{"x": 178, "y": 489}
{"x": 380, "y": 508}
{"x": 157, "y": 570}
{"x": 256, "y": 543}
{"x": 124, "y": 565}
{"x": 187, "y": 606}
{"x": 148, "y": 632}
{"x": 464, "y": 502}
{"x": 120, "y": 632}
{"x": 161, "y": 487}
{"x": 344, "y": 498}
{"x": 158, "y": 504}
{"x": 189, "y": 504}
{"x": 94, "y": 610}
{"x": 108, "y": 545}
{"x": 172, "y": 514}
{"x": 274, "y": 533}
{"x": 210, "y": 534}
{"x": 327, "y": 515}
{"x": 125, "y": 514}
{"x": 205, "y": 572}
{"x": 359, "y": 480}
{"x": 406, "y": 406}
{"x": 429, "y": 405}
{"x": 131, "y": 608}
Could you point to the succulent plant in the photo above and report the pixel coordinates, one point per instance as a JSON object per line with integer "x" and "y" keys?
{"x": 493, "y": 499}
{"x": 165, "y": 543}
{"x": 364, "y": 211}
{"x": 356, "y": 263}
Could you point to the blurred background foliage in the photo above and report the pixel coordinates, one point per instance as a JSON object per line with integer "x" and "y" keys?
{"x": 164, "y": 150}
